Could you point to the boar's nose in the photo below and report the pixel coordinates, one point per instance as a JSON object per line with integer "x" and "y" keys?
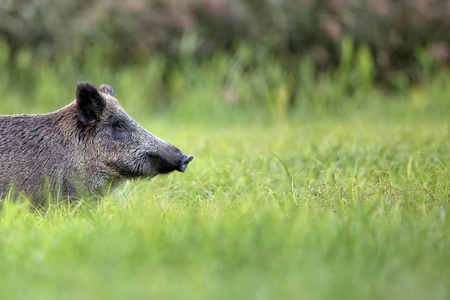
{"x": 184, "y": 162}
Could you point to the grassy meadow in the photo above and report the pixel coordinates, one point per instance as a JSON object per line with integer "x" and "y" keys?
{"x": 302, "y": 187}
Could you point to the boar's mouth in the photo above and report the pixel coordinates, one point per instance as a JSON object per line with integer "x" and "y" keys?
{"x": 165, "y": 166}
{"x": 152, "y": 165}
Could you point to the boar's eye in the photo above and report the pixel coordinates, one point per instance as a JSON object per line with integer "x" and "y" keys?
{"x": 120, "y": 131}
{"x": 120, "y": 126}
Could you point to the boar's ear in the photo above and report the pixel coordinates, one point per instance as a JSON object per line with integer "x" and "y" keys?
{"x": 107, "y": 89}
{"x": 90, "y": 103}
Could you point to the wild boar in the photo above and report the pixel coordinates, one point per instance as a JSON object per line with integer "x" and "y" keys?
{"x": 91, "y": 145}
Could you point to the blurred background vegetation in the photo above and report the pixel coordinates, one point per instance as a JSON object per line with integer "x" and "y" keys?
{"x": 218, "y": 54}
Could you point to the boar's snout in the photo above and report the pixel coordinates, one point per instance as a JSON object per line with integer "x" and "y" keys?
{"x": 184, "y": 162}
{"x": 168, "y": 163}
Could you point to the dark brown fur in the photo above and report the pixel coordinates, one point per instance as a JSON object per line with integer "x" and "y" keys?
{"x": 90, "y": 145}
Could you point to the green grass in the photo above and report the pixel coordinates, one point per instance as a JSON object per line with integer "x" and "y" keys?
{"x": 324, "y": 210}
{"x": 333, "y": 197}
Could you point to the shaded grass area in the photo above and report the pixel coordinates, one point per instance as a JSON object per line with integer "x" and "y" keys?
{"x": 247, "y": 86}
{"x": 326, "y": 208}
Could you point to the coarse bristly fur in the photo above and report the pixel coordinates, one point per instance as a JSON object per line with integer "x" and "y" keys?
{"x": 90, "y": 145}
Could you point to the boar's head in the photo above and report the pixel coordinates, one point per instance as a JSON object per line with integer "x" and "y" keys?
{"x": 121, "y": 148}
